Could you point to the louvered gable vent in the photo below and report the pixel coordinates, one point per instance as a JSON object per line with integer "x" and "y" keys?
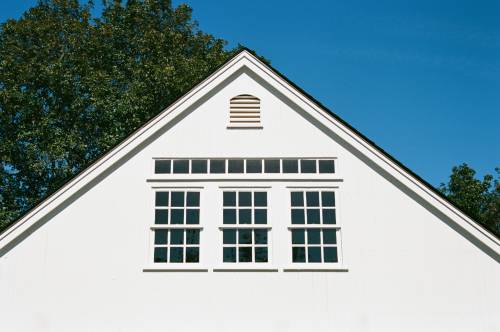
{"x": 244, "y": 112}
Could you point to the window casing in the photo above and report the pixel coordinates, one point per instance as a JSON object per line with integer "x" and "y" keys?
{"x": 314, "y": 230}
{"x": 308, "y": 166}
{"x": 245, "y": 227}
{"x": 176, "y": 229}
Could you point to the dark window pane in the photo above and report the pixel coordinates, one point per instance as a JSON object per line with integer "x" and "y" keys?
{"x": 313, "y": 236}
{"x": 254, "y": 166}
{"x": 271, "y": 166}
{"x": 326, "y": 166}
{"x": 161, "y": 236}
{"x": 261, "y": 255}
{"x": 329, "y": 216}
{"x": 161, "y": 199}
{"x": 229, "y": 198}
{"x": 330, "y": 255}
{"x": 192, "y": 216}
{"x": 329, "y": 236}
{"x": 299, "y": 254}
{"x": 161, "y": 255}
{"x": 260, "y": 216}
{"x": 298, "y": 216}
{"x": 307, "y": 166}
{"x": 260, "y": 198}
{"x": 244, "y": 254}
{"x": 193, "y": 198}
{"x": 229, "y": 216}
{"x": 245, "y": 216}
{"x": 298, "y": 236}
{"x": 161, "y": 217}
{"x": 229, "y": 236}
{"x": 192, "y": 236}
{"x": 313, "y": 216}
{"x": 290, "y": 166}
{"x": 235, "y": 166}
{"x": 192, "y": 255}
{"x": 199, "y": 166}
{"x": 297, "y": 198}
{"x": 245, "y": 198}
{"x": 314, "y": 254}
{"x": 245, "y": 236}
{"x": 217, "y": 166}
{"x": 260, "y": 236}
{"x": 176, "y": 236}
{"x": 328, "y": 198}
{"x": 177, "y": 216}
{"x": 229, "y": 255}
{"x": 178, "y": 198}
{"x": 312, "y": 198}
{"x": 176, "y": 255}
{"x": 162, "y": 166}
{"x": 181, "y": 166}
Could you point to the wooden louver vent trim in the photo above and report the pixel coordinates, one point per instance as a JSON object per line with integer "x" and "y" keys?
{"x": 244, "y": 112}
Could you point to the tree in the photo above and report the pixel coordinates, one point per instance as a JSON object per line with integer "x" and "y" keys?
{"x": 479, "y": 199}
{"x": 72, "y": 85}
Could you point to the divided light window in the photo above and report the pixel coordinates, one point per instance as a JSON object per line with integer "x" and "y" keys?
{"x": 177, "y": 227}
{"x": 245, "y": 166}
{"x": 245, "y": 229}
{"x": 314, "y": 230}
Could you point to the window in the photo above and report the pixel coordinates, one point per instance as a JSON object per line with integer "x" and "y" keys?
{"x": 162, "y": 166}
{"x": 217, "y": 166}
{"x": 314, "y": 230}
{"x": 199, "y": 166}
{"x": 177, "y": 227}
{"x": 245, "y": 230}
{"x": 244, "y": 112}
{"x": 236, "y": 166}
{"x": 245, "y": 166}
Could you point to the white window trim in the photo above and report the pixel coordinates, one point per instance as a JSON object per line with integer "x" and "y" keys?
{"x": 150, "y": 265}
{"x": 246, "y": 266}
{"x": 339, "y": 266}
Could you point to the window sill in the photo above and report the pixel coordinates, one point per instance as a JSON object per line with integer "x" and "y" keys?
{"x": 239, "y": 268}
{"x": 244, "y": 127}
{"x": 312, "y": 268}
{"x": 179, "y": 268}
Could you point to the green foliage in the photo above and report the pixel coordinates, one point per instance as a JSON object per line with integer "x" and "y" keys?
{"x": 479, "y": 199}
{"x": 72, "y": 85}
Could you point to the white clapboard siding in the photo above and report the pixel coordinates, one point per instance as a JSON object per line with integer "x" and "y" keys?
{"x": 244, "y": 111}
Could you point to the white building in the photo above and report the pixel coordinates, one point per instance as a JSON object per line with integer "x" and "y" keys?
{"x": 247, "y": 206}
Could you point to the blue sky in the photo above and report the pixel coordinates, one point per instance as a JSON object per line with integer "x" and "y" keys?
{"x": 420, "y": 78}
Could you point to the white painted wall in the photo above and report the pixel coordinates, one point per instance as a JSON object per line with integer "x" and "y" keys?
{"x": 408, "y": 270}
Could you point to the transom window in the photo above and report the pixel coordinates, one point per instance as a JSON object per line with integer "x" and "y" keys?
{"x": 177, "y": 229}
{"x": 245, "y": 166}
{"x": 245, "y": 230}
{"x": 314, "y": 230}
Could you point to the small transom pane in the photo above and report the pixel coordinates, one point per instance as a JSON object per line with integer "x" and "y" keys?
{"x": 271, "y": 166}
{"x": 162, "y": 166}
{"x": 181, "y": 166}
{"x": 326, "y": 166}
{"x": 254, "y": 165}
{"x": 307, "y": 166}
{"x": 235, "y": 166}
{"x": 199, "y": 166}
{"x": 290, "y": 166}
{"x": 217, "y": 166}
